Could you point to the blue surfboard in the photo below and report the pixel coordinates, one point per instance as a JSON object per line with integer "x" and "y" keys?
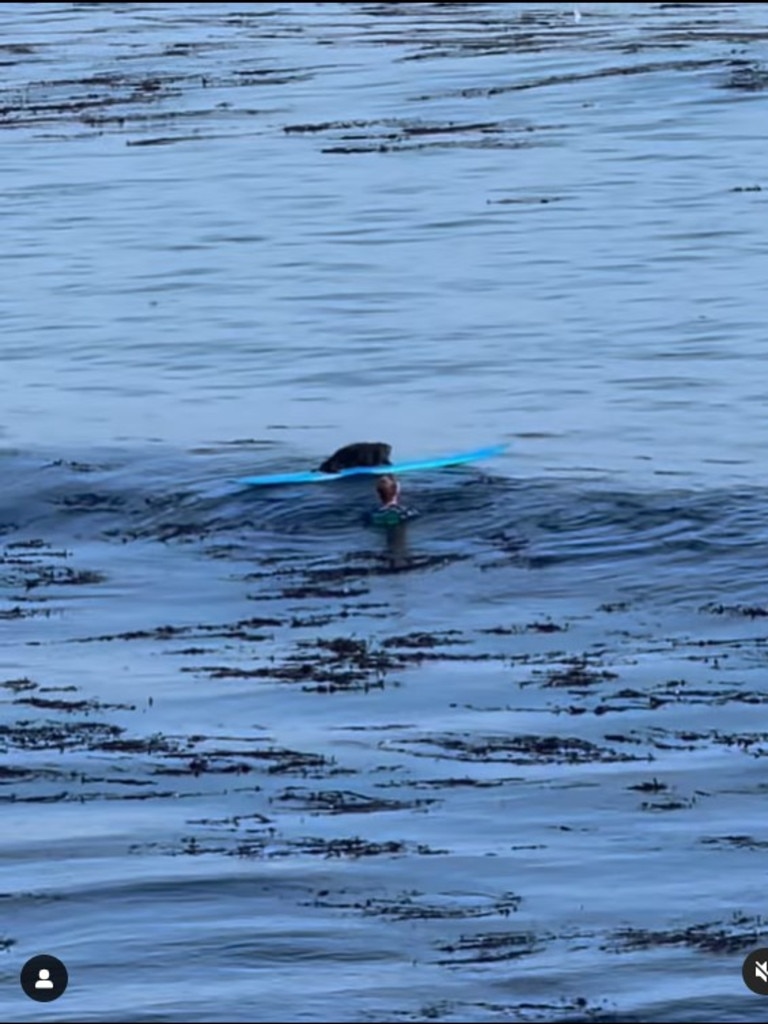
{"x": 316, "y": 477}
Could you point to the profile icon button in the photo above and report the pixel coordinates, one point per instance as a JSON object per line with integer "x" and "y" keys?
{"x": 44, "y": 978}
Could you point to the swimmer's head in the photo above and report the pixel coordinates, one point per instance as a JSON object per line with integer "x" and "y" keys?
{"x": 388, "y": 489}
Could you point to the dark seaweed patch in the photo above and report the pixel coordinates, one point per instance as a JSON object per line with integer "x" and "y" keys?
{"x": 72, "y": 706}
{"x": 510, "y": 749}
{"x": 416, "y": 906}
{"x": 241, "y": 630}
{"x": 490, "y": 947}
{"x": 19, "y": 685}
{"x": 330, "y": 664}
{"x": 89, "y": 501}
{"x": 19, "y": 612}
{"x": 524, "y": 200}
{"x": 33, "y": 544}
{"x": 565, "y": 1011}
{"x": 454, "y": 782}
{"x": 8, "y": 774}
{"x": 421, "y": 640}
{"x": 546, "y": 81}
{"x": 315, "y": 677}
{"x": 63, "y": 575}
{"x": 353, "y": 848}
{"x": 672, "y": 692}
{"x": 204, "y": 765}
{"x": 316, "y": 591}
{"x": 405, "y": 127}
{"x": 741, "y": 933}
{"x": 29, "y": 564}
{"x": 752, "y": 611}
{"x": 531, "y": 627}
{"x": 75, "y": 467}
{"x": 318, "y": 582}
{"x": 122, "y": 102}
{"x": 746, "y": 77}
{"x": 342, "y": 648}
{"x": 667, "y": 805}
{"x": 357, "y": 847}
{"x": 50, "y": 575}
{"x": 397, "y": 134}
{"x": 310, "y": 621}
{"x": 278, "y": 761}
{"x": 338, "y": 801}
{"x": 654, "y": 786}
{"x": 741, "y": 842}
{"x": 232, "y": 824}
{"x": 27, "y": 735}
{"x": 577, "y": 675}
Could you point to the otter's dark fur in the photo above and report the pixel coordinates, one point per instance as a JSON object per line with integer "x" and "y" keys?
{"x": 364, "y": 453}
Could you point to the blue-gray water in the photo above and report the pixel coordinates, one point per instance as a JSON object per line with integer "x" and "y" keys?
{"x": 262, "y": 763}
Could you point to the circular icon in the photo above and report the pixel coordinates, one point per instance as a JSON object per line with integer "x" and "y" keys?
{"x": 755, "y": 971}
{"x": 44, "y": 978}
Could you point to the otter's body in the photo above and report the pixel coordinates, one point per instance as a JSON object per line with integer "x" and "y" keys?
{"x": 364, "y": 453}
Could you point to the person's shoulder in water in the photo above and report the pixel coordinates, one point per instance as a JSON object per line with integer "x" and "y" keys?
{"x": 392, "y": 516}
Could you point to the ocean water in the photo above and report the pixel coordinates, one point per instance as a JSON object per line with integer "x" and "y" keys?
{"x": 258, "y": 761}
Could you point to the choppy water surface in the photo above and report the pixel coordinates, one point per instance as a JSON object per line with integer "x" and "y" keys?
{"x": 259, "y": 762}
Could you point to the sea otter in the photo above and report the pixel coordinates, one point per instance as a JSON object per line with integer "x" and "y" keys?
{"x": 364, "y": 453}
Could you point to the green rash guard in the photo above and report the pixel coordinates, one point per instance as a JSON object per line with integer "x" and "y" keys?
{"x": 391, "y": 515}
